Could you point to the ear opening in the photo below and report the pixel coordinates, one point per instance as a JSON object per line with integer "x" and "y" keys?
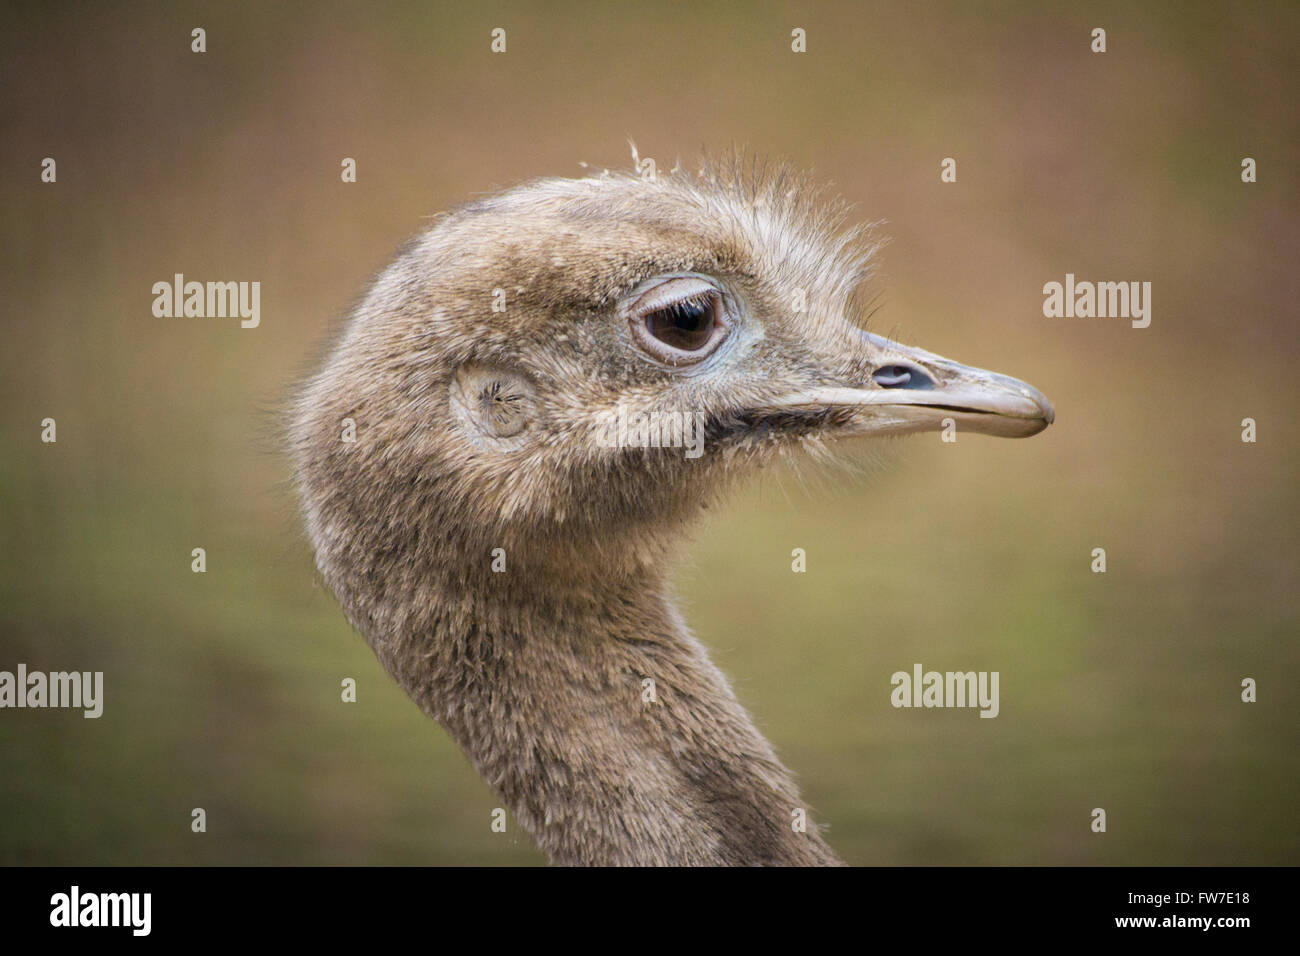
{"x": 493, "y": 403}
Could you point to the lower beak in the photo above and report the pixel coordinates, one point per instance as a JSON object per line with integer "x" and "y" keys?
{"x": 912, "y": 390}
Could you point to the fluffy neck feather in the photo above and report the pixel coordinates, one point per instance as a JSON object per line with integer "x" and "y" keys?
{"x": 543, "y": 688}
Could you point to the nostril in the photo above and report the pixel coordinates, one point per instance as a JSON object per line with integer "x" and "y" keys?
{"x": 901, "y": 376}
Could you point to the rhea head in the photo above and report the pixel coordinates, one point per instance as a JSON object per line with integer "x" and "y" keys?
{"x": 484, "y": 367}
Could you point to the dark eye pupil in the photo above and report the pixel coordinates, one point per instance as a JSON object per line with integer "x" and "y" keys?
{"x": 685, "y": 325}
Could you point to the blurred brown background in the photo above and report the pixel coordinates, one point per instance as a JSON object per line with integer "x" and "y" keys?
{"x": 222, "y": 689}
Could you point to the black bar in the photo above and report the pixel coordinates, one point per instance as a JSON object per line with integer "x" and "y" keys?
{"x": 332, "y": 904}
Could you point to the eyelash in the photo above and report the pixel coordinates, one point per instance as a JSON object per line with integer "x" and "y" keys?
{"x": 696, "y": 302}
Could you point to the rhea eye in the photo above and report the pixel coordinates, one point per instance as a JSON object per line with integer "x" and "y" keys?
{"x": 679, "y": 320}
{"x": 685, "y": 325}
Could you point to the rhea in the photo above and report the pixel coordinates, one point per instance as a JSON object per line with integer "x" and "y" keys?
{"x": 506, "y": 552}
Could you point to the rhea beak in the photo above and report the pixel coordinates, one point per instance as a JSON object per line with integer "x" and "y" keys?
{"x": 912, "y": 390}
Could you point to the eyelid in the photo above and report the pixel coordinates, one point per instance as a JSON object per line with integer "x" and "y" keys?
{"x": 674, "y": 289}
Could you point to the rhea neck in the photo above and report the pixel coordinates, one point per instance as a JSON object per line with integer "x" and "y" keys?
{"x": 582, "y": 698}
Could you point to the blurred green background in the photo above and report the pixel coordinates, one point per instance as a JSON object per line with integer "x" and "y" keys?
{"x": 222, "y": 689}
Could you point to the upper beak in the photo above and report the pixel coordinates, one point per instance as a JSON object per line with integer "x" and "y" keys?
{"x": 913, "y": 390}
